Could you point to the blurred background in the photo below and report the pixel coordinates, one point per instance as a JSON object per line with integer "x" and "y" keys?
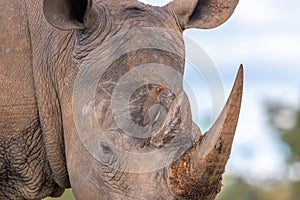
{"x": 265, "y": 37}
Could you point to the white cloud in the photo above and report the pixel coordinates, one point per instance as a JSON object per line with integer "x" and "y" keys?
{"x": 155, "y": 2}
{"x": 277, "y": 50}
{"x": 257, "y": 12}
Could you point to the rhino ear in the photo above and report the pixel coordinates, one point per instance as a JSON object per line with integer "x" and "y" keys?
{"x": 201, "y": 13}
{"x": 68, "y": 14}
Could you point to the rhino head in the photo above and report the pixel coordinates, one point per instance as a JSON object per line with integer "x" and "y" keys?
{"x": 121, "y": 50}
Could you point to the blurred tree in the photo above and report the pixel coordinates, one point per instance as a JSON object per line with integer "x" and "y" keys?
{"x": 286, "y": 120}
{"x": 237, "y": 189}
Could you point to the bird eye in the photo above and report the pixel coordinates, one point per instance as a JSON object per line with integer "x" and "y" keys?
{"x": 159, "y": 89}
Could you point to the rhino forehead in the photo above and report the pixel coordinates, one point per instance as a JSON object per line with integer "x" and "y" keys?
{"x": 137, "y": 14}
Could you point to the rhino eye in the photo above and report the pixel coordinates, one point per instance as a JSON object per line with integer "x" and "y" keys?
{"x": 134, "y": 10}
{"x": 105, "y": 148}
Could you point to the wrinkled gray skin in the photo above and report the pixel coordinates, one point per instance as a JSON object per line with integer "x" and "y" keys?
{"x": 43, "y": 45}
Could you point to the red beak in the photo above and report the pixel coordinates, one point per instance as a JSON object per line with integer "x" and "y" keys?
{"x": 162, "y": 88}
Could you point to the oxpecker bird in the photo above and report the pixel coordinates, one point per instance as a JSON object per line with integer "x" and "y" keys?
{"x": 151, "y": 112}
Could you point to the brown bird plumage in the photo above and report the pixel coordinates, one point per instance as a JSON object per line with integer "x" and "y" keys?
{"x": 152, "y": 99}
{"x": 151, "y": 111}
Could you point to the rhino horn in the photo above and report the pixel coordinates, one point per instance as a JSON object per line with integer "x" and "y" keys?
{"x": 198, "y": 173}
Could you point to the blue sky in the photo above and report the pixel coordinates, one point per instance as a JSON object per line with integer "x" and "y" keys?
{"x": 265, "y": 37}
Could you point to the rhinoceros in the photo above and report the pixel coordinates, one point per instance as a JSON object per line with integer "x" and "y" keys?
{"x": 74, "y": 78}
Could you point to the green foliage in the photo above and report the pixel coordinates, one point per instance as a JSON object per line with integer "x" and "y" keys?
{"x": 281, "y": 117}
{"x": 292, "y": 138}
{"x": 237, "y": 189}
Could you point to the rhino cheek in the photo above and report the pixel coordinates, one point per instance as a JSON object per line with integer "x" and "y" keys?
{"x": 91, "y": 178}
